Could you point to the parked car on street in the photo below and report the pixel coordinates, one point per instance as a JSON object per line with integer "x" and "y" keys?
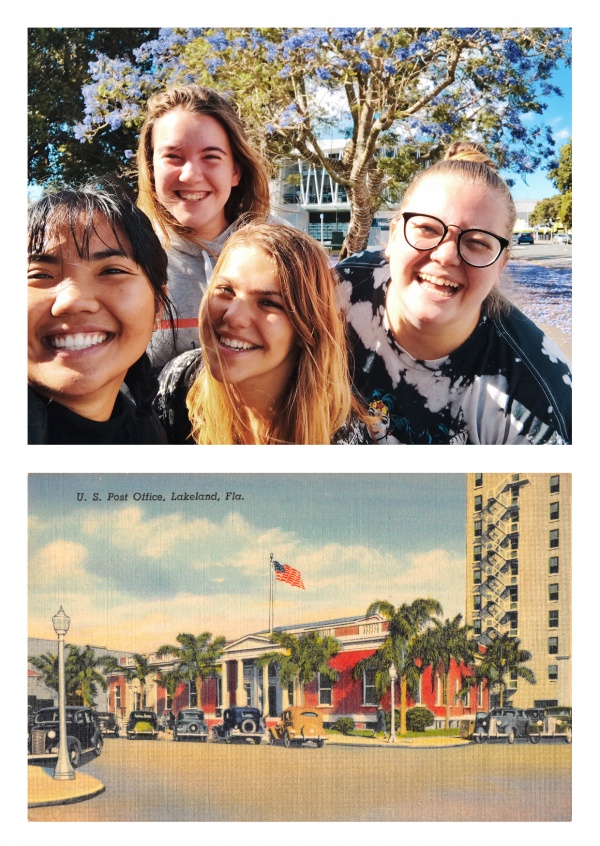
{"x": 298, "y": 725}
{"x": 502, "y": 724}
{"x": 525, "y": 238}
{"x": 240, "y": 724}
{"x": 142, "y": 724}
{"x": 562, "y": 238}
{"x": 107, "y": 723}
{"x": 555, "y": 722}
{"x": 83, "y": 734}
{"x": 190, "y": 725}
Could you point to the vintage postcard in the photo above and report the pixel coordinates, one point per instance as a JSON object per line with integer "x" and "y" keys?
{"x": 300, "y": 647}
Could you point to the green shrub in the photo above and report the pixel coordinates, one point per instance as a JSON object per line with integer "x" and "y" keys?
{"x": 418, "y": 718}
{"x": 344, "y": 725}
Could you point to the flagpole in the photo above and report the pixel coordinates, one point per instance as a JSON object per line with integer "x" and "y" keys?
{"x": 271, "y": 594}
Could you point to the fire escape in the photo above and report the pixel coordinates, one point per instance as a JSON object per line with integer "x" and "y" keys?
{"x": 496, "y": 560}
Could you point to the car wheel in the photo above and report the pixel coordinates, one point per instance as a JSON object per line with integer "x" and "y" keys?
{"x": 479, "y": 738}
{"x": 98, "y": 746}
{"x": 257, "y": 740}
{"x": 535, "y": 738}
{"x": 320, "y": 743}
{"x": 569, "y": 735}
{"x": 511, "y": 736}
{"x": 74, "y": 750}
{"x": 248, "y": 726}
{"x": 272, "y": 741}
{"x": 287, "y": 741}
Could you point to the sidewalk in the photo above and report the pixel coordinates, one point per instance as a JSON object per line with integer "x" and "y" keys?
{"x": 43, "y": 789}
{"x": 400, "y": 742}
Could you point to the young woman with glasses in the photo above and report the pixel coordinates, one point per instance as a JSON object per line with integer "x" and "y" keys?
{"x": 437, "y": 350}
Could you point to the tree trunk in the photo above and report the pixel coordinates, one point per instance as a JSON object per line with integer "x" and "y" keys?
{"x": 403, "y": 704}
{"x": 448, "y": 699}
{"x": 199, "y": 692}
{"x": 362, "y": 206}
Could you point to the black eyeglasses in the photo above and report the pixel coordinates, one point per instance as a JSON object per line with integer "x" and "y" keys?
{"x": 475, "y": 246}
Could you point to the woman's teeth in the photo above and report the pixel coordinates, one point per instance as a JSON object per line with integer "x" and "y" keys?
{"x": 78, "y": 341}
{"x": 233, "y": 344}
{"x": 435, "y": 280}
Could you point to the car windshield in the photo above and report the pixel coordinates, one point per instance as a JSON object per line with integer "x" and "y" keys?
{"x": 51, "y": 716}
{"x": 308, "y": 714}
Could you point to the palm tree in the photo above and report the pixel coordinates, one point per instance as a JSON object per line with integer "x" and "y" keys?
{"x": 503, "y": 657}
{"x": 47, "y": 664}
{"x": 198, "y": 656}
{"x": 303, "y": 658}
{"x": 141, "y": 670}
{"x": 441, "y": 643}
{"x": 406, "y": 622}
{"x": 82, "y": 676}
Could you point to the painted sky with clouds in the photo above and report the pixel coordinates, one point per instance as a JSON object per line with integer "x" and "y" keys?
{"x": 132, "y": 574}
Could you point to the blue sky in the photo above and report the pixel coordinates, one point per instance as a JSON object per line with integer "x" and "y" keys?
{"x": 133, "y": 574}
{"x": 558, "y": 115}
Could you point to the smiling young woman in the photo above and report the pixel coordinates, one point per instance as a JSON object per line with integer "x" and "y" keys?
{"x": 197, "y": 176}
{"x": 452, "y": 361}
{"x": 96, "y": 276}
{"x": 273, "y": 364}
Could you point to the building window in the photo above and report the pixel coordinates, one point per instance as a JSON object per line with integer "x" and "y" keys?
{"x": 477, "y": 553}
{"x": 513, "y": 620}
{"x": 514, "y": 568}
{"x": 477, "y": 627}
{"x": 514, "y": 543}
{"x": 513, "y": 593}
{"x": 219, "y": 702}
{"x": 478, "y": 503}
{"x": 417, "y": 699}
{"x": 369, "y": 693}
{"x": 552, "y": 646}
{"x": 440, "y": 697}
{"x": 117, "y": 698}
{"x": 325, "y": 690}
{"x": 478, "y": 480}
{"x": 193, "y": 694}
{"x": 477, "y": 528}
{"x": 480, "y": 697}
{"x": 554, "y": 484}
{"x": 477, "y": 576}
{"x": 554, "y": 539}
{"x": 553, "y": 619}
{"x": 554, "y": 509}
{"x": 553, "y": 672}
{"x": 553, "y": 565}
{"x": 477, "y": 602}
{"x": 291, "y": 693}
{"x": 553, "y": 592}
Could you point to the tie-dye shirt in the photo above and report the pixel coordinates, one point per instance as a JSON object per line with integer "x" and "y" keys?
{"x": 508, "y": 383}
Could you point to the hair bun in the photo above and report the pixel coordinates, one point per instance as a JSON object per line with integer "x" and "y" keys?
{"x": 469, "y": 151}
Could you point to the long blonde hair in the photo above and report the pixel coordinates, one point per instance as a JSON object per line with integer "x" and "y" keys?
{"x": 319, "y": 399}
{"x": 249, "y": 198}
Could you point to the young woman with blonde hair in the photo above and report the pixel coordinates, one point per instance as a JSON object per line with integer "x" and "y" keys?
{"x": 273, "y": 365}
{"x": 197, "y": 174}
{"x": 456, "y": 362}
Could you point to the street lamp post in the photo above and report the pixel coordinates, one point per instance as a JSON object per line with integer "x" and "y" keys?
{"x": 63, "y": 770}
{"x": 393, "y": 677}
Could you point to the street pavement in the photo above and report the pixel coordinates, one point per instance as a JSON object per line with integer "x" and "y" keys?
{"x": 150, "y": 781}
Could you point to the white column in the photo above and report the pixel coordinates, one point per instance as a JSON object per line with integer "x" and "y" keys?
{"x": 240, "y": 693}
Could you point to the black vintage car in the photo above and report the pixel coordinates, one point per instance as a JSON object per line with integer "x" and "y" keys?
{"x": 107, "y": 723}
{"x": 502, "y": 724}
{"x": 83, "y": 734}
{"x": 190, "y": 725}
{"x": 142, "y": 724}
{"x": 240, "y": 724}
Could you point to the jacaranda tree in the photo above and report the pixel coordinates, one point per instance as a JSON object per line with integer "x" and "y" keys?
{"x": 411, "y": 89}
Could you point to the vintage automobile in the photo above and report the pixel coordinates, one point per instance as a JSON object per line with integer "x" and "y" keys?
{"x": 555, "y": 722}
{"x": 298, "y": 725}
{"x": 190, "y": 725}
{"x": 83, "y": 734}
{"x": 240, "y": 724}
{"x": 142, "y": 724}
{"x": 107, "y": 723}
{"x": 501, "y": 724}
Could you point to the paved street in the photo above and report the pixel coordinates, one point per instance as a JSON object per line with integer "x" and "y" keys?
{"x": 152, "y": 781}
{"x": 543, "y": 251}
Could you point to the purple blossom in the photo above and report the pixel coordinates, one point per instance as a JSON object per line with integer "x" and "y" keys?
{"x": 218, "y": 41}
{"x": 362, "y": 67}
{"x": 323, "y": 73}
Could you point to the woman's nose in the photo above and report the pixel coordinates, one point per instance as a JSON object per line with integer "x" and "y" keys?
{"x": 74, "y": 296}
{"x": 446, "y": 251}
{"x": 238, "y": 313}
{"x": 191, "y": 171}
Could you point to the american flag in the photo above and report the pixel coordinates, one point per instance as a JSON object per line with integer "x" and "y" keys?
{"x": 284, "y": 573}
